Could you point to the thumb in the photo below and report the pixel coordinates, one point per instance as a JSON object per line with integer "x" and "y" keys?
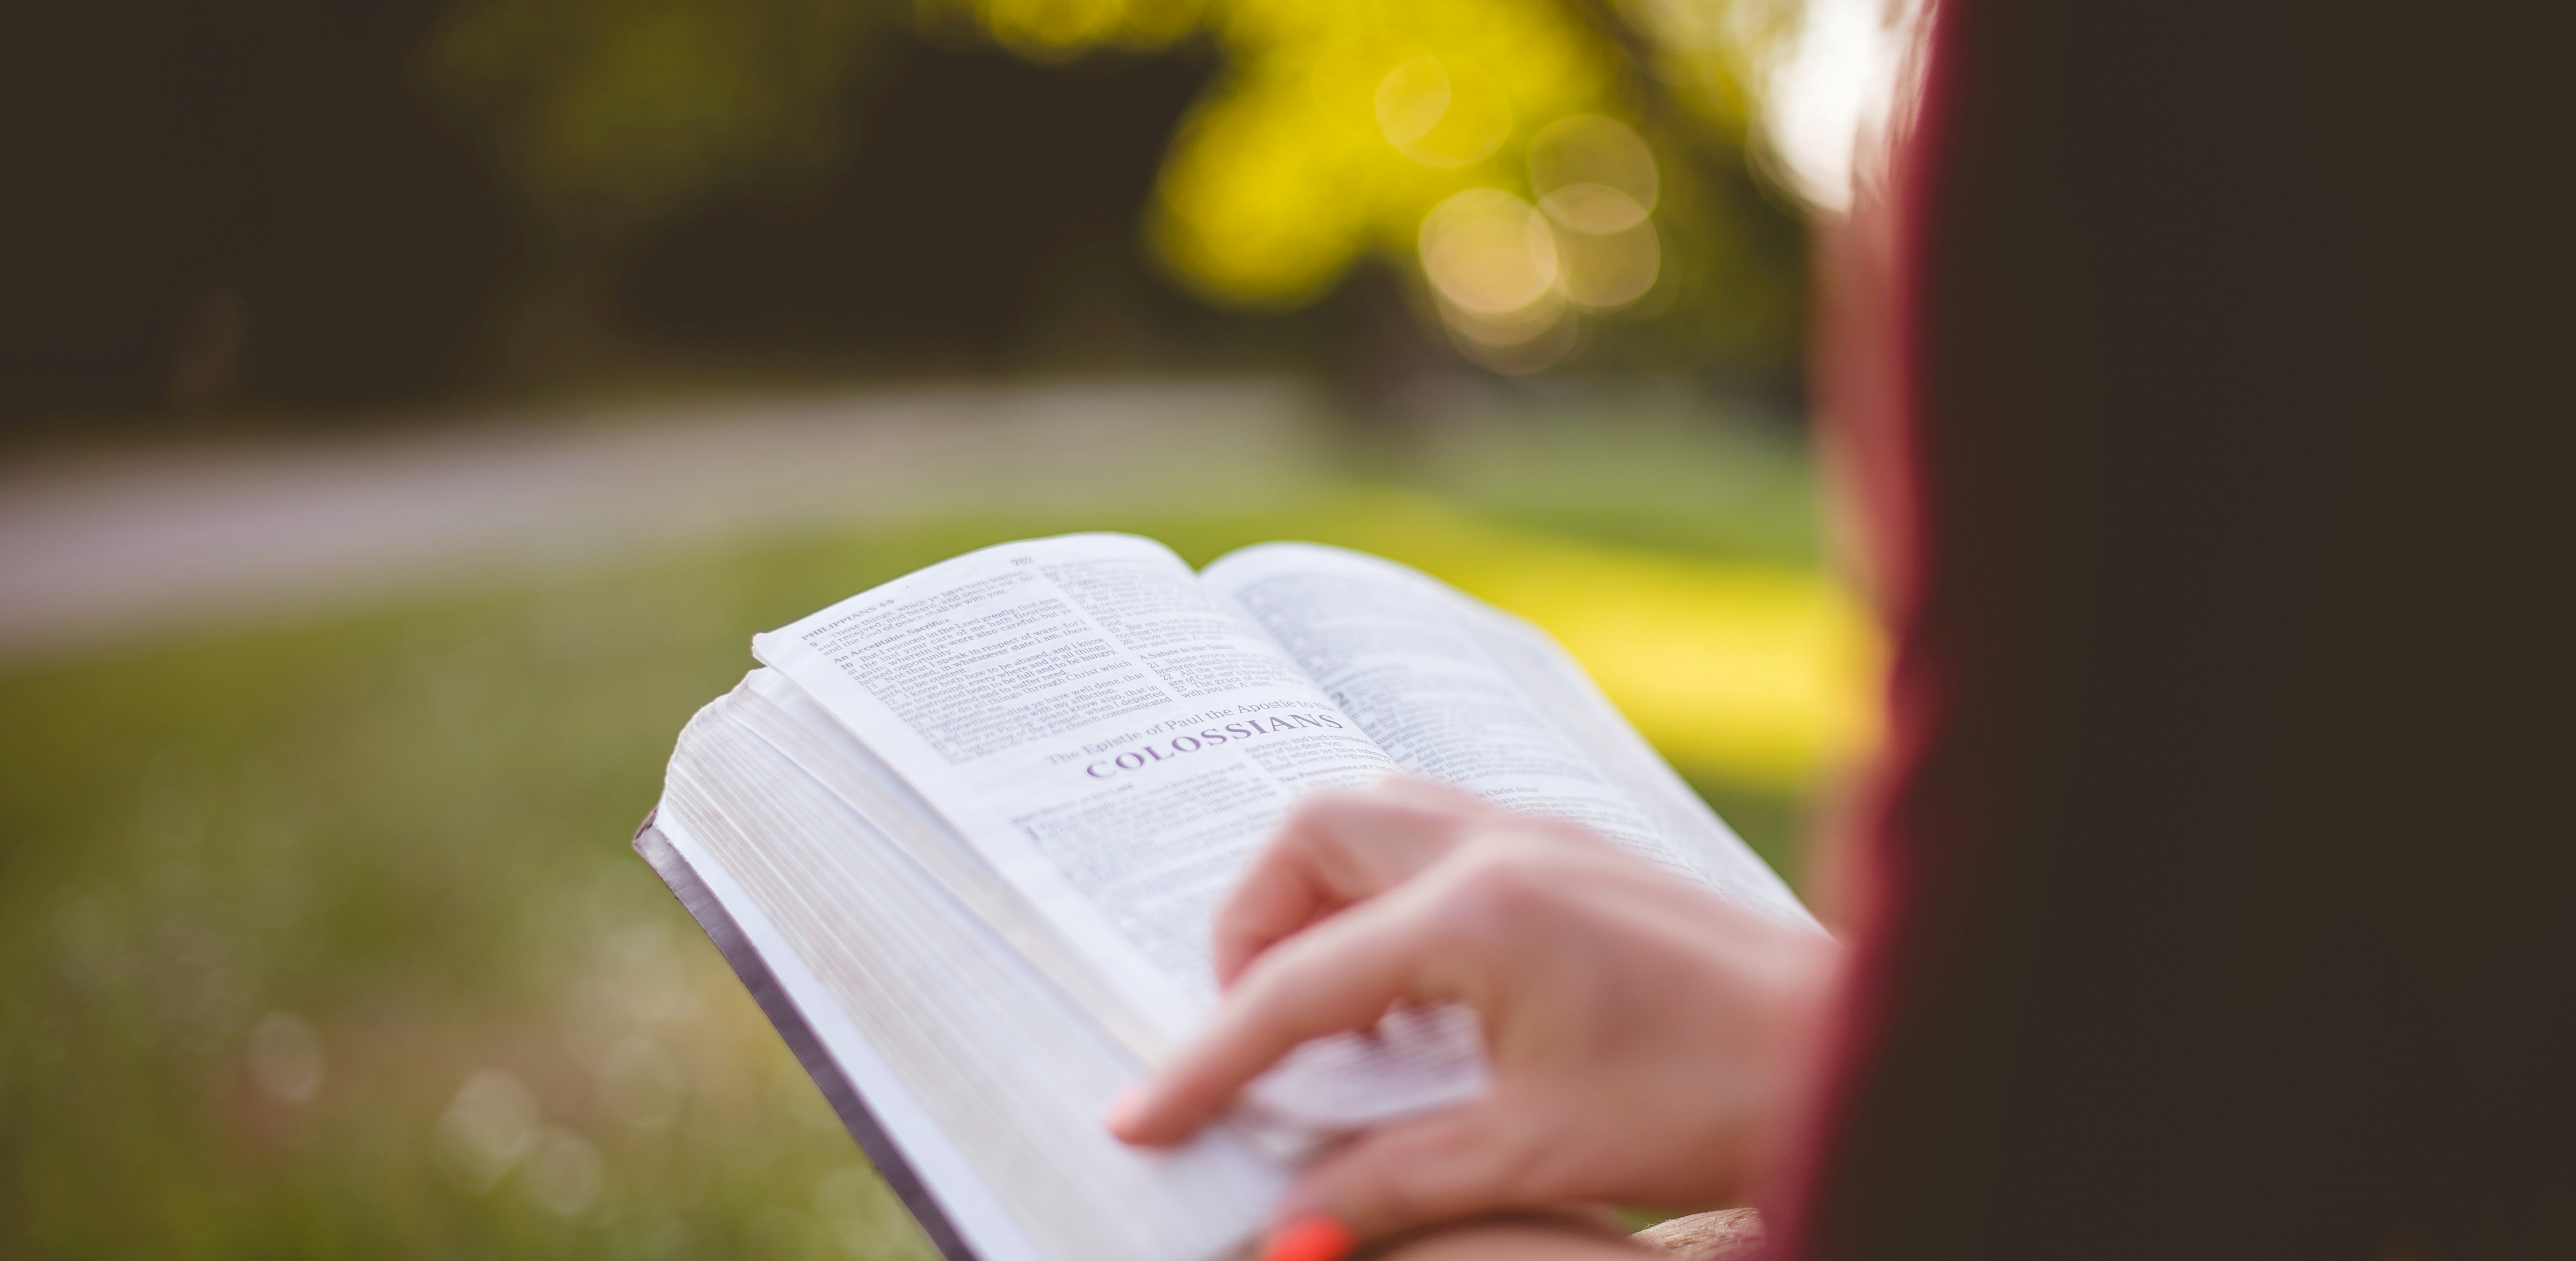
{"x": 1448, "y": 1165}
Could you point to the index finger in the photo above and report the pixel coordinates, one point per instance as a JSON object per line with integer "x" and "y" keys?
{"x": 1342, "y": 974}
{"x": 1337, "y": 848}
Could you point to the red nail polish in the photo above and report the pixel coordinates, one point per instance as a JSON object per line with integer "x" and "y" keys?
{"x": 1310, "y": 1238}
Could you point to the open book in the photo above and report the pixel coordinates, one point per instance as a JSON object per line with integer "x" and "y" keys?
{"x": 964, "y": 834}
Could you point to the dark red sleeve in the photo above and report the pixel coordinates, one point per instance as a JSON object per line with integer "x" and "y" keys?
{"x": 2216, "y": 877}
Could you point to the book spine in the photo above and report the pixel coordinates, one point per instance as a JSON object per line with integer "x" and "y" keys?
{"x": 667, "y": 862}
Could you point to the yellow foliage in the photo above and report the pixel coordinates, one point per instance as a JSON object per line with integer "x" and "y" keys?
{"x": 1760, "y": 675}
{"x": 1336, "y": 125}
{"x": 1333, "y": 128}
{"x": 1339, "y": 126}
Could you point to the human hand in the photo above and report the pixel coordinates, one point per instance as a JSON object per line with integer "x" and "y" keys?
{"x": 1640, "y": 1029}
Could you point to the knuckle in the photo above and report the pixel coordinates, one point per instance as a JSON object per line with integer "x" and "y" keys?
{"x": 1497, "y": 887}
{"x": 1429, "y": 1186}
{"x": 1417, "y": 823}
{"x": 1333, "y": 816}
{"x": 1468, "y": 1169}
{"x": 1520, "y": 1166}
{"x": 1313, "y": 813}
{"x": 1401, "y": 1199}
{"x": 1425, "y": 795}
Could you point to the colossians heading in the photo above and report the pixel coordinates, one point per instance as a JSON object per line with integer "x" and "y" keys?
{"x": 1249, "y": 728}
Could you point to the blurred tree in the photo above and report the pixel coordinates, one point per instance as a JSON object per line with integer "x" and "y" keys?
{"x": 250, "y": 201}
{"x": 983, "y": 208}
{"x": 235, "y": 197}
{"x": 610, "y": 112}
{"x": 1331, "y": 134}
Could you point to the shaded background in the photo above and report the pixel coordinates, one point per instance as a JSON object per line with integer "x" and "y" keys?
{"x": 285, "y": 202}
{"x": 407, "y": 412}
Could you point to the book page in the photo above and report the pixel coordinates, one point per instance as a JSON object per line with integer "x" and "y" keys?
{"x": 1111, "y": 742}
{"x": 1466, "y": 695}
{"x": 1006, "y": 1077}
{"x": 780, "y": 713}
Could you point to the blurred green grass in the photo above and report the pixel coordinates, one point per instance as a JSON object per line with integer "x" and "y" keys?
{"x": 271, "y": 899}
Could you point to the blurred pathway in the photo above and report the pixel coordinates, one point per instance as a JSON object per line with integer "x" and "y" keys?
{"x": 145, "y": 542}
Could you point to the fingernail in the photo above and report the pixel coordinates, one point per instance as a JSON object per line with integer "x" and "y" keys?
{"x": 1122, "y": 1109}
{"x": 1313, "y": 1237}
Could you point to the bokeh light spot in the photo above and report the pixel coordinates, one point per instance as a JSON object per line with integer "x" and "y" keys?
{"x": 490, "y": 1124}
{"x": 286, "y": 1057}
{"x": 1597, "y": 184}
{"x": 1588, "y": 149}
{"x": 1488, "y": 252}
{"x": 564, "y": 1173}
{"x": 1607, "y": 270}
{"x": 1594, "y": 208}
{"x": 1443, "y": 114}
{"x": 641, "y": 1084}
{"x": 1411, "y": 100}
